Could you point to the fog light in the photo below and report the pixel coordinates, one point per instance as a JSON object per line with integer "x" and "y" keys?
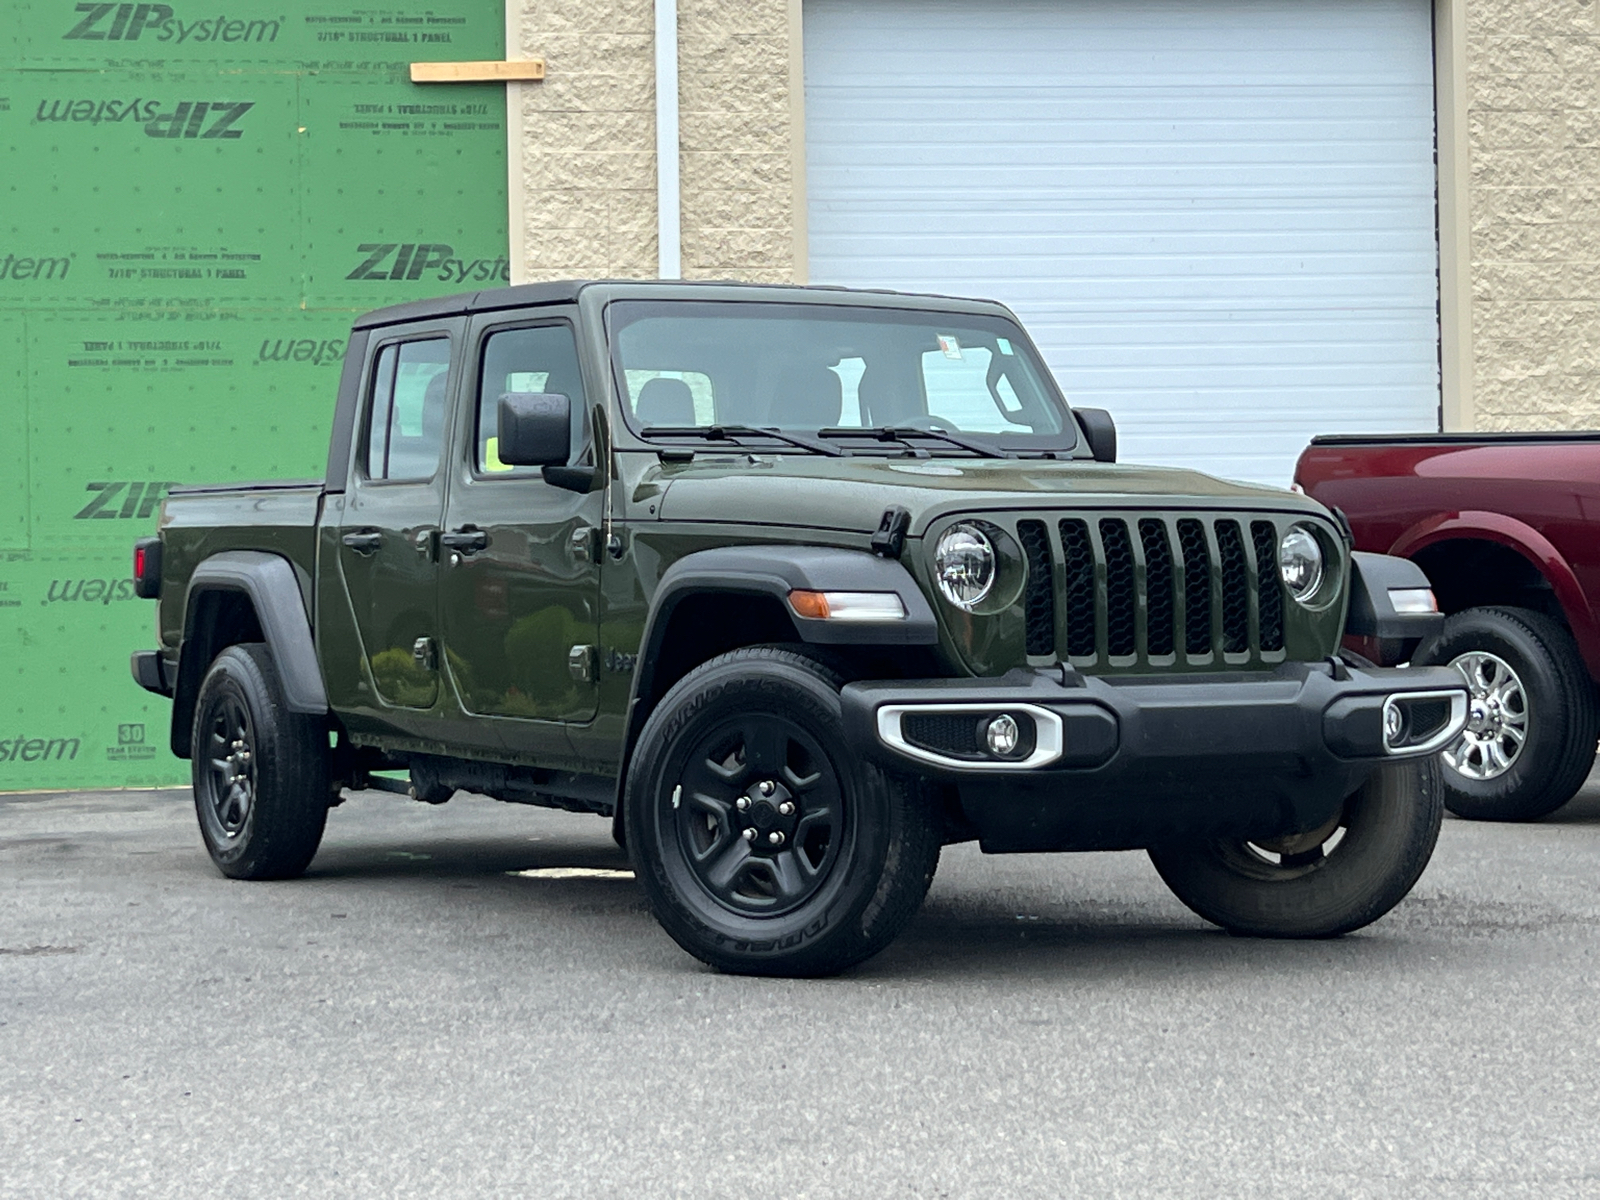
{"x": 1393, "y": 723}
{"x": 1003, "y": 735}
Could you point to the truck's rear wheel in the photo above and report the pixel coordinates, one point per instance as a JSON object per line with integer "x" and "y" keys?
{"x": 764, "y": 846}
{"x": 260, "y": 772}
{"x": 1326, "y": 881}
{"x": 1533, "y": 717}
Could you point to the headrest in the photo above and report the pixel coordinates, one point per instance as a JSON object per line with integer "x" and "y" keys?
{"x": 665, "y": 402}
{"x": 807, "y": 398}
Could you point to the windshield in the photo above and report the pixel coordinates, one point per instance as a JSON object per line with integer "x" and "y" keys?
{"x": 852, "y": 372}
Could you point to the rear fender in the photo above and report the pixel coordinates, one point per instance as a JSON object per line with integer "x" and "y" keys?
{"x": 269, "y": 584}
{"x": 1532, "y": 545}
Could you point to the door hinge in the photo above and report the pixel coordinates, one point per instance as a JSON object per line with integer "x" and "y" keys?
{"x": 580, "y": 663}
{"x": 584, "y": 544}
{"x": 426, "y": 654}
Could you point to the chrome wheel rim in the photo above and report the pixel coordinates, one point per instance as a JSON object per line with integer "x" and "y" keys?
{"x": 1497, "y": 718}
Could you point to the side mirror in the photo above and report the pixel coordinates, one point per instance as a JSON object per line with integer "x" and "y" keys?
{"x": 1100, "y": 431}
{"x": 535, "y": 429}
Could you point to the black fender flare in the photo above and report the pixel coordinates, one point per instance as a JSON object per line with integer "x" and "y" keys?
{"x": 1372, "y": 612}
{"x": 775, "y": 571}
{"x": 778, "y": 570}
{"x": 270, "y": 582}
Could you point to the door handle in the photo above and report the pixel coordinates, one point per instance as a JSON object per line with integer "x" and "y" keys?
{"x": 466, "y": 540}
{"x": 363, "y": 542}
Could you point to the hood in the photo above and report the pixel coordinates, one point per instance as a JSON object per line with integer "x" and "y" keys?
{"x": 811, "y": 491}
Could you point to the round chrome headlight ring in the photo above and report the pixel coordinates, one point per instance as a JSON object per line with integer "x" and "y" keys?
{"x": 1301, "y": 563}
{"x": 964, "y": 565}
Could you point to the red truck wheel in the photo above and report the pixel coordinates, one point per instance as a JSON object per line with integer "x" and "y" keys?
{"x": 1533, "y": 720}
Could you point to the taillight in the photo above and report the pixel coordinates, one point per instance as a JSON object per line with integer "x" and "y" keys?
{"x": 147, "y": 568}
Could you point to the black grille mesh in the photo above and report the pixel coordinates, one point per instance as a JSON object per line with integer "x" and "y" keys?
{"x": 1039, "y": 601}
{"x": 943, "y": 733}
{"x": 1196, "y": 587}
{"x": 1078, "y": 552}
{"x": 1235, "y": 588}
{"x": 1121, "y": 595}
{"x": 1269, "y": 590}
{"x": 1158, "y": 585}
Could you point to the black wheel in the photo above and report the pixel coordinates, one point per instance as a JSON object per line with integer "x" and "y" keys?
{"x": 1533, "y": 719}
{"x": 764, "y": 846}
{"x": 1325, "y": 881}
{"x": 261, "y": 783}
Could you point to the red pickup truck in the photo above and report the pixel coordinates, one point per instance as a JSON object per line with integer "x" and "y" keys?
{"x": 1507, "y": 528}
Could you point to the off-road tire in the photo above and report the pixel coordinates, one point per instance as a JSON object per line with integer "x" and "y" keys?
{"x": 1563, "y": 716}
{"x": 884, "y": 841}
{"x": 276, "y": 833}
{"x": 1390, "y": 826}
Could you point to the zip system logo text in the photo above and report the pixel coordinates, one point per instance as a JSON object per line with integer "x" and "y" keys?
{"x": 123, "y": 499}
{"x": 408, "y": 260}
{"x": 304, "y": 350}
{"x": 130, "y": 22}
{"x": 185, "y": 119}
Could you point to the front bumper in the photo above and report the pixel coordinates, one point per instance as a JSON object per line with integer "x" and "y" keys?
{"x": 1132, "y": 761}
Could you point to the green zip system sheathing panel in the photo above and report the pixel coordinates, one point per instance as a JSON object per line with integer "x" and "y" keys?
{"x": 197, "y": 198}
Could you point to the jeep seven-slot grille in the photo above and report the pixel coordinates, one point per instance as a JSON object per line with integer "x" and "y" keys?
{"x": 1152, "y": 590}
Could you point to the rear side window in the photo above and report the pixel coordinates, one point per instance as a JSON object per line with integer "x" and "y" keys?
{"x": 543, "y": 358}
{"x": 405, "y": 430}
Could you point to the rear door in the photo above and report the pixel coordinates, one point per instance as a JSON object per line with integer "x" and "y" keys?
{"x": 388, "y": 534}
{"x": 519, "y": 576}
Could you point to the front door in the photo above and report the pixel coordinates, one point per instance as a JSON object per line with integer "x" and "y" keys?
{"x": 519, "y": 576}
{"x": 388, "y": 535}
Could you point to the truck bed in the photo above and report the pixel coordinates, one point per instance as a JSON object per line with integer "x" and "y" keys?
{"x": 278, "y": 517}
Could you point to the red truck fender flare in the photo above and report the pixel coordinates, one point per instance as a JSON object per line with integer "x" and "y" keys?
{"x": 1526, "y": 541}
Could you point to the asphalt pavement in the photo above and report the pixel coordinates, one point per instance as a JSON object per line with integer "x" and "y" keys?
{"x": 420, "y": 1015}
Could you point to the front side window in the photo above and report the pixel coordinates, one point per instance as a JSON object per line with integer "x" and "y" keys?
{"x": 405, "y": 429}
{"x": 543, "y": 358}
{"x": 844, "y": 371}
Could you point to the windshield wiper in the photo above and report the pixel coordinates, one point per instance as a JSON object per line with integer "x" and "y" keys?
{"x": 731, "y": 433}
{"x": 904, "y": 433}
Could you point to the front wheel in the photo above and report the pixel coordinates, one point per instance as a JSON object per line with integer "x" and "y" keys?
{"x": 764, "y": 846}
{"x": 1324, "y": 882}
{"x": 261, "y": 782}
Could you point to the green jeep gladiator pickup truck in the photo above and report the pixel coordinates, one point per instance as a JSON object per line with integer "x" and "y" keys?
{"x": 797, "y": 585}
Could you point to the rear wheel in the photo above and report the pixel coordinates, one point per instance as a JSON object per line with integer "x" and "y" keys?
{"x": 1323, "y": 882}
{"x": 764, "y": 846}
{"x": 1532, "y": 720}
{"x": 261, "y": 781}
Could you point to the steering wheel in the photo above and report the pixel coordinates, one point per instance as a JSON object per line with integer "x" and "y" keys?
{"x": 935, "y": 423}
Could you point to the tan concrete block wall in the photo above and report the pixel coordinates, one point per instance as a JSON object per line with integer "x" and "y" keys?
{"x": 734, "y": 131}
{"x": 1533, "y": 129}
{"x": 588, "y": 157}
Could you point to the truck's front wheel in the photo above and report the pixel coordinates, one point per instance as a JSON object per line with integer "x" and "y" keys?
{"x": 1323, "y": 882}
{"x": 764, "y": 846}
{"x": 260, "y": 772}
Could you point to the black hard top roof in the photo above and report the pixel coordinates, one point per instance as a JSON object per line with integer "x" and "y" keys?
{"x": 566, "y": 291}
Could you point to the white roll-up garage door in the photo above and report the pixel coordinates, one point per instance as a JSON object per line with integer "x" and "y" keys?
{"x": 1216, "y": 216}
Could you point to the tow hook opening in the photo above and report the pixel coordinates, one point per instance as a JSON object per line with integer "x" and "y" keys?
{"x": 1422, "y": 722}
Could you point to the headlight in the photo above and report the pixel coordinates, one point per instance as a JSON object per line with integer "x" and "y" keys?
{"x": 963, "y": 563}
{"x": 1300, "y": 562}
